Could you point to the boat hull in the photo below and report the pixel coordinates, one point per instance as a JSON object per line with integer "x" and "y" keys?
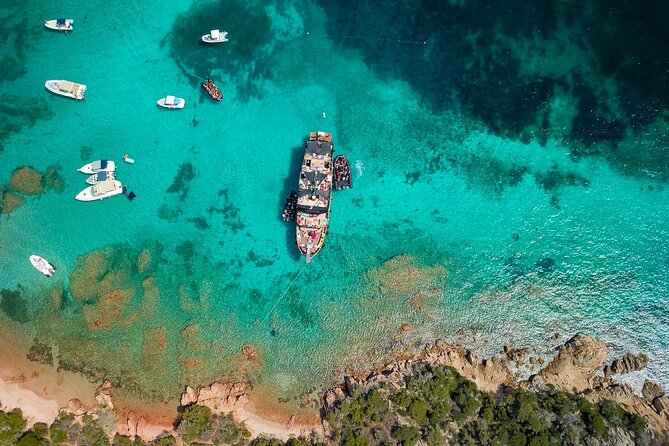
{"x": 314, "y": 195}
{"x": 42, "y": 265}
{"x": 162, "y": 102}
{"x": 53, "y": 25}
{"x": 96, "y": 178}
{"x": 342, "y": 174}
{"x": 222, "y": 37}
{"x": 213, "y": 91}
{"x": 78, "y": 93}
{"x": 89, "y": 169}
{"x": 89, "y": 194}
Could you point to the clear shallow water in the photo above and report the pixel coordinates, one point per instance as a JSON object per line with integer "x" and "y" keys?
{"x": 490, "y": 203}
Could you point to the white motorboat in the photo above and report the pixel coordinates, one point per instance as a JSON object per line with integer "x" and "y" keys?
{"x": 99, "y": 177}
{"x": 66, "y": 88}
{"x": 171, "y": 102}
{"x": 42, "y": 265}
{"x": 98, "y": 191}
{"x": 215, "y": 36}
{"x": 98, "y": 166}
{"x": 59, "y": 24}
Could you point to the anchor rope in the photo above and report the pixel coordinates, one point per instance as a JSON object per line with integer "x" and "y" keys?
{"x": 284, "y": 292}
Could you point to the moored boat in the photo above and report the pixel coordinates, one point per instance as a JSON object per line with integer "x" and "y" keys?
{"x": 314, "y": 194}
{"x": 99, "y": 177}
{"x": 98, "y": 166}
{"x": 342, "y": 173}
{"x": 290, "y": 207}
{"x": 42, "y": 265}
{"x": 66, "y": 88}
{"x": 98, "y": 191}
{"x": 212, "y": 89}
{"x": 171, "y": 102}
{"x": 215, "y": 36}
{"x": 59, "y": 24}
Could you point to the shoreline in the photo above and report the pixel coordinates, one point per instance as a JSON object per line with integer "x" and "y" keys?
{"x": 578, "y": 365}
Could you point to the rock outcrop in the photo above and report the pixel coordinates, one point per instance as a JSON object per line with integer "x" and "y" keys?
{"x": 626, "y": 364}
{"x": 220, "y": 396}
{"x": 102, "y": 399}
{"x": 575, "y": 365}
{"x": 650, "y": 390}
{"x": 103, "y": 396}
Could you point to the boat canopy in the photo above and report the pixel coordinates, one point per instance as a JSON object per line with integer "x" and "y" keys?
{"x": 170, "y": 100}
{"x": 319, "y": 194}
{"x": 319, "y": 147}
{"x": 102, "y": 176}
{"x": 214, "y": 34}
{"x": 66, "y": 86}
{"x": 312, "y": 210}
{"x": 100, "y": 164}
{"x": 104, "y": 187}
{"x": 60, "y": 22}
{"x": 314, "y": 177}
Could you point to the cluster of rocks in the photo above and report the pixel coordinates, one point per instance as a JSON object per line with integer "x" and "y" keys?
{"x": 220, "y": 396}
{"x": 626, "y": 364}
{"x": 132, "y": 425}
{"x": 102, "y": 398}
{"x": 578, "y": 366}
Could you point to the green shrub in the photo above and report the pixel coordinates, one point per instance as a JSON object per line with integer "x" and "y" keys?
{"x": 267, "y": 441}
{"x": 11, "y": 426}
{"x": 351, "y": 438}
{"x": 435, "y": 438}
{"x": 298, "y": 441}
{"x": 518, "y": 439}
{"x": 195, "y": 420}
{"x": 57, "y": 436}
{"x": 121, "y": 440}
{"x": 41, "y": 430}
{"x": 29, "y": 438}
{"x": 418, "y": 411}
{"x": 407, "y": 436}
{"x": 93, "y": 435}
{"x": 164, "y": 439}
{"x": 634, "y": 423}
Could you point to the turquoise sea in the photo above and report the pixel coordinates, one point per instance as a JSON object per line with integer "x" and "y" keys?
{"x": 510, "y": 183}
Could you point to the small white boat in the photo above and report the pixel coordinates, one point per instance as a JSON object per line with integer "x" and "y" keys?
{"x": 171, "y": 102}
{"x": 98, "y": 166}
{"x": 128, "y": 160}
{"x": 42, "y": 265}
{"x": 59, "y": 24}
{"x": 98, "y": 191}
{"x": 215, "y": 36}
{"x": 66, "y": 88}
{"x": 99, "y": 177}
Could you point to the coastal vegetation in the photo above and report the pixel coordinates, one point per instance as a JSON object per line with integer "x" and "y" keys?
{"x": 437, "y": 406}
{"x": 434, "y": 405}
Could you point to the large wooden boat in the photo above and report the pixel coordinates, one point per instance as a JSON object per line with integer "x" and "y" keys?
{"x": 314, "y": 194}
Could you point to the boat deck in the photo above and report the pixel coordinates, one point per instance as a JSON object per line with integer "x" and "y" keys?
{"x": 314, "y": 193}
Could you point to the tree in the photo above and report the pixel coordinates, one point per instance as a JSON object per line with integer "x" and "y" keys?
{"x": 407, "y": 436}
{"x": 195, "y": 419}
{"x": 11, "y": 426}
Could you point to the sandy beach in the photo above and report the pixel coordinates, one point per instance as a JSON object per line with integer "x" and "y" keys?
{"x": 38, "y": 389}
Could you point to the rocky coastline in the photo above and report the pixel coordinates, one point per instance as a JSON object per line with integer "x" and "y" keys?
{"x": 579, "y": 367}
